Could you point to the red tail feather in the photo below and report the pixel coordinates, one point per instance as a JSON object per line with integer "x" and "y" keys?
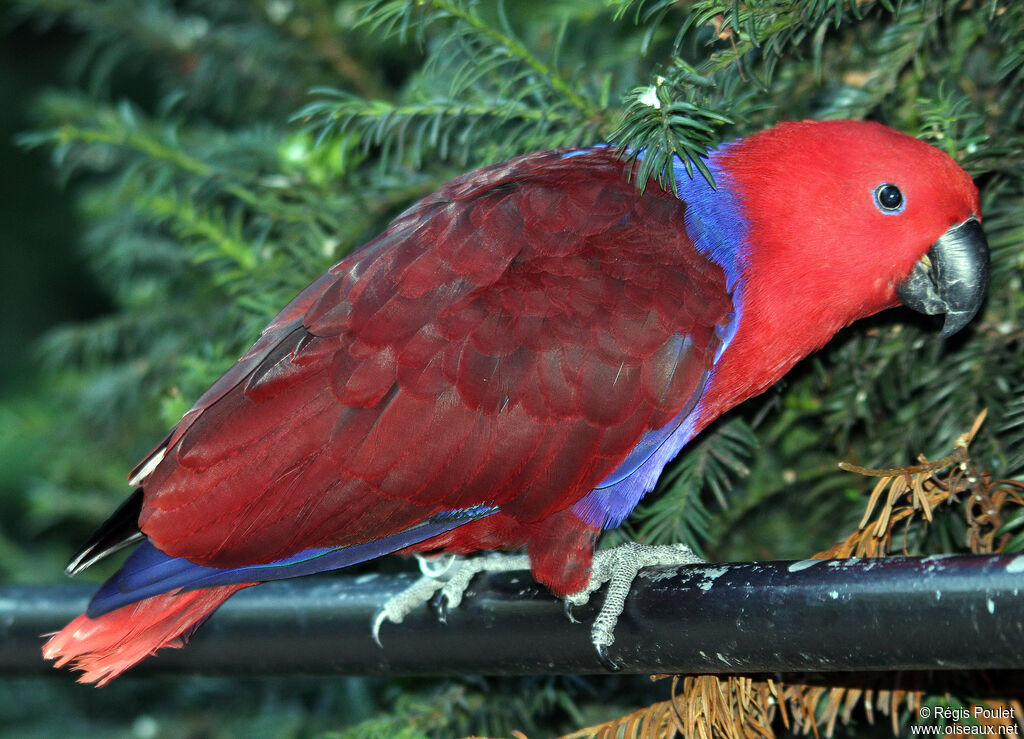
{"x": 102, "y": 648}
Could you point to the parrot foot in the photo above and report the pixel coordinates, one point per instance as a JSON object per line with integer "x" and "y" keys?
{"x": 619, "y": 567}
{"x": 444, "y": 582}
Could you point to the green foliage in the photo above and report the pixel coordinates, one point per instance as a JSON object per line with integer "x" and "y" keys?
{"x": 221, "y": 155}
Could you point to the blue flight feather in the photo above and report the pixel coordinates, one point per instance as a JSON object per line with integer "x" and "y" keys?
{"x": 148, "y": 571}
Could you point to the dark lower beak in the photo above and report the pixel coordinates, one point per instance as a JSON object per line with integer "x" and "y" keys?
{"x": 951, "y": 278}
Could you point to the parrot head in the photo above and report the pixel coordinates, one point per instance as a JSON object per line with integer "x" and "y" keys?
{"x": 850, "y": 218}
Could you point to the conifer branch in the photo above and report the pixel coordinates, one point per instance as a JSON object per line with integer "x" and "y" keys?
{"x": 225, "y": 237}
{"x": 516, "y": 49}
{"x": 128, "y": 137}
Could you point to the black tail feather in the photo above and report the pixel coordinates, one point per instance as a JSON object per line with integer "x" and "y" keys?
{"x": 117, "y": 532}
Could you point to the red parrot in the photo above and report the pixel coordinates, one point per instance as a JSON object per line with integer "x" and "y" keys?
{"x": 515, "y": 359}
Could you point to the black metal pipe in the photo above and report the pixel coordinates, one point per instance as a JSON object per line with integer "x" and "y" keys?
{"x": 897, "y": 613}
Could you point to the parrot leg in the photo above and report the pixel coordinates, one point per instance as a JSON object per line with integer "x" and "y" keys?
{"x": 447, "y": 576}
{"x": 619, "y": 567}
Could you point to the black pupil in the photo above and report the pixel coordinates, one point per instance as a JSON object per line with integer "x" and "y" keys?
{"x": 890, "y": 197}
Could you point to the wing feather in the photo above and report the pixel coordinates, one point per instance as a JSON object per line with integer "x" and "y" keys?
{"x": 507, "y": 341}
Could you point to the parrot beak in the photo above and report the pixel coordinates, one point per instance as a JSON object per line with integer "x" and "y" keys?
{"x": 951, "y": 278}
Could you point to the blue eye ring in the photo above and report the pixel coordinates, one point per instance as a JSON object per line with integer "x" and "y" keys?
{"x": 889, "y": 199}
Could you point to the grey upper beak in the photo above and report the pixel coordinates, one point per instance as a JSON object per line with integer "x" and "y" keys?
{"x": 951, "y": 278}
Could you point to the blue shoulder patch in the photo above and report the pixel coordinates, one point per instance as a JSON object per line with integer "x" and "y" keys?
{"x": 715, "y": 223}
{"x": 714, "y": 218}
{"x": 584, "y": 150}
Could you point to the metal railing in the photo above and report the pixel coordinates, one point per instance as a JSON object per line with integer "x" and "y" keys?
{"x": 898, "y": 613}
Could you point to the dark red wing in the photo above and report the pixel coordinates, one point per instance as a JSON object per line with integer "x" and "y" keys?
{"x": 507, "y": 340}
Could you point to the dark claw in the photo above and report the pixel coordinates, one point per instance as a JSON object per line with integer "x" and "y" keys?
{"x": 378, "y": 619}
{"x": 607, "y": 661}
{"x": 439, "y": 604}
{"x": 568, "y": 606}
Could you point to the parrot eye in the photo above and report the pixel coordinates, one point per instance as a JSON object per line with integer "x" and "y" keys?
{"x": 889, "y": 198}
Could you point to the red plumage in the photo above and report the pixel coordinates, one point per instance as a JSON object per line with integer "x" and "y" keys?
{"x": 507, "y": 342}
{"x": 128, "y": 635}
{"x": 465, "y": 356}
